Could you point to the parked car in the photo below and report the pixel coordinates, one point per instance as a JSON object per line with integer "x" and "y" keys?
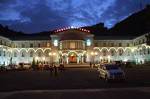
{"x": 111, "y": 72}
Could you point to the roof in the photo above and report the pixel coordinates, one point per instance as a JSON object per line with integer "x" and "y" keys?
{"x": 114, "y": 37}
{"x": 31, "y": 37}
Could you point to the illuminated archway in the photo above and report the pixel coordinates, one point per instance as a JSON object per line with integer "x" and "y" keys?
{"x": 72, "y": 57}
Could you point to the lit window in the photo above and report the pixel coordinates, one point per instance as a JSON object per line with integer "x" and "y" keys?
{"x": 31, "y": 45}
{"x": 23, "y": 45}
{"x": 15, "y": 54}
{"x": 23, "y": 54}
{"x": 48, "y": 44}
{"x": 88, "y": 42}
{"x": 39, "y": 54}
{"x": 72, "y": 45}
{"x": 4, "y": 53}
{"x": 39, "y": 45}
{"x": 55, "y": 42}
{"x": 31, "y": 54}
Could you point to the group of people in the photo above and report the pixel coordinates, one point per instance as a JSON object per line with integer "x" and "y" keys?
{"x": 54, "y": 69}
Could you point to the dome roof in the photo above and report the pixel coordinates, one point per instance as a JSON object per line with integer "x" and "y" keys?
{"x": 72, "y": 34}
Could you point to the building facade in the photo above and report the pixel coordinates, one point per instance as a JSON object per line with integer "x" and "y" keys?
{"x": 74, "y": 45}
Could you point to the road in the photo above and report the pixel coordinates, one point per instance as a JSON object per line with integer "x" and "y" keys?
{"x": 74, "y": 79}
{"x": 112, "y": 93}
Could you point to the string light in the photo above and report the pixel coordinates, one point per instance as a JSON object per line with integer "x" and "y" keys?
{"x": 71, "y": 27}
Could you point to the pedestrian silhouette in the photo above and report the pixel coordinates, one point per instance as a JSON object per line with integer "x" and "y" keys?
{"x": 55, "y": 70}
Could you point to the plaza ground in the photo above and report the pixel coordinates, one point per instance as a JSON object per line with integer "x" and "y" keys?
{"x": 73, "y": 79}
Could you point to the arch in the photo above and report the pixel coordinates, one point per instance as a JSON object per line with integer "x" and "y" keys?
{"x": 104, "y": 48}
{"x": 23, "y": 53}
{"x": 73, "y": 57}
{"x": 31, "y": 51}
{"x": 120, "y": 48}
{"x": 46, "y": 49}
{"x": 39, "y": 49}
{"x": 39, "y": 52}
{"x": 112, "y": 48}
{"x": 96, "y": 48}
{"x": 46, "y": 52}
{"x": 23, "y": 49}
{"x": 73, "y": 52}
{"x": 104, "y": 52}
{"x": 112, "y": 51}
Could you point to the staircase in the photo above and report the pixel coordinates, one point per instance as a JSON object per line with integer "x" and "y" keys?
{"x": 74, "y": 65}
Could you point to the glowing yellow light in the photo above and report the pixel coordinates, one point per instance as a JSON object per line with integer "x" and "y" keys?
{"x": 36, "y": 58}
{"x": 43, "y": 58}
{"x": 92, "y": 53}
{"x": 96, "y": 53}
{"x": 100, "y": 57}
{"x": 108, "y": 56}
{"x": 54, "y": 53}
{"x": 50, "y": 54}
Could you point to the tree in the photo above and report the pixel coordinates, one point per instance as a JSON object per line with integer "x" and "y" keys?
{"x": 33, "y": 63}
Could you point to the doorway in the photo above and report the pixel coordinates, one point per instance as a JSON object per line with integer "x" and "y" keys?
{"x": 72, "y": 57}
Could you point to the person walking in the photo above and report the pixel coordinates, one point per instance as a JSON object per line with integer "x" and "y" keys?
{"x": 90, "y": 64}
{"x": 55, "y": 70}
{"x": 51, "y": 69}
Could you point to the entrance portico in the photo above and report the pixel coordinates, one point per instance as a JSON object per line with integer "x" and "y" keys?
{"x": 72, "y": 45}
{"x": 73, "y": 57}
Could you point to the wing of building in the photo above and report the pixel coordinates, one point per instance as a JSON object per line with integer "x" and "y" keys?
{"x": 80, "y": 45}
{"x": 74, "y": 45}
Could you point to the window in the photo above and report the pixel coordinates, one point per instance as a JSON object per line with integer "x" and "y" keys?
{"x": 23, "y": 54}
{"x": 4, "y": 53}
{"x": 139, "y": 41}
{"x": 148, "y": 51}
{"x": 104, "y": 52}
{"x": 31, "y": 54}
{"x": 120, "y": 44}
{"x": 1, "y": 42}
{"x": 120, "y": 52}
{"x": 31, "y": 45}
{"x": 61, "y": 45}
{"x": 39, "y": 54}
{"x": 88, "y": 42}
{"x": 96, "y": 44}
{"x": 55, "y": 42}
{"x": 15, "y": 54}
{"x": 104, "y": 44}
{"x": 23, "y": 46}
{"x": 48, "y": 44}
{"x": 112, "y": 44}
{"x": 112, "y": 53}
{"x": 143, "y": 41}
{"x": 127, "y": 44}
{"x": 72, "y": 45}
{"x": 39, "y": 45}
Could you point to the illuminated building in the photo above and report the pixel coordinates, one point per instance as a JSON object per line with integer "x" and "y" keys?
{"x": 74, "y": 45}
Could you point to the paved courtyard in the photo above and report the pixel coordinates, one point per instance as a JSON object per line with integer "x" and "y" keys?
{"x": 71, "y": 78}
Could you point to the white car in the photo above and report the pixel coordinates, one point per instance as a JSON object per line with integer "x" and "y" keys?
{"x": 111, "y": 72}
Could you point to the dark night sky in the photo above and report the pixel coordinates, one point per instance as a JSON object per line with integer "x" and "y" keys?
{"x": 43, "y": 15}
